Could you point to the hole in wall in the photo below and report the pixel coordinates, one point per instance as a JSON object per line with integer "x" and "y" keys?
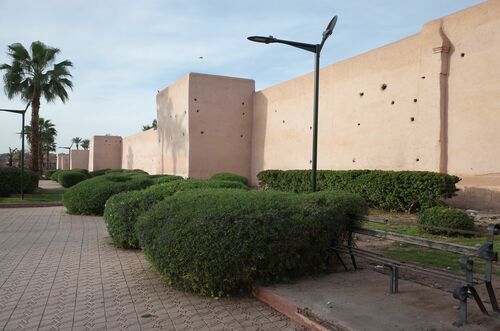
{"x": 310, "y": 128}
{"x": 361, "y": 94}
{"x": 392, "y": 102}
{"x": 310, "y": 161}
{"x": 241, "y": 136}
{"x": 383, "y": 87}
{"x": 359, "y": 124}
{"x": 242, "y": 103}
{"x": 197, "y": 110}
{"x": 183, "y": 134}
{"x": 462, "y": 54}
{"x": 412, "y": 119}
{"x": 353, "y": 160}
{"x": 283, "y": 121}
{"x": 243, "y": 114}
{"x": 415, "y": 100}
{"x": 275, "y": 111}
{"x": 202, "y": 132}
{"x": 423, "y": 77}
{"x": 195, "y": 99}
{"x": 417, "y": 159}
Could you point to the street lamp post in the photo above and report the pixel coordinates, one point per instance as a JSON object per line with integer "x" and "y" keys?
{"x": 22, "y": 112}
{"x": 316, "y": 49}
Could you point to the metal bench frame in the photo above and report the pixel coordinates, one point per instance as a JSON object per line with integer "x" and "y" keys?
{"x": 462, "y": 292}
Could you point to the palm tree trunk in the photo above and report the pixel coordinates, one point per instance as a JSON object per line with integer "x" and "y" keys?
{"x": 35, "y": 133}
{"x": 40, "y": 151}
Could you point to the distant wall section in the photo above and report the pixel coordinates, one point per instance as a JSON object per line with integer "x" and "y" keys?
{"x": 79, "y": 159}
{"x": 62, "y": 161}
{"x": 220, "y": 125}
{"x": 105, "y": 153}
{"x": 141, "y": 151}
{"x": 173, "y": 128}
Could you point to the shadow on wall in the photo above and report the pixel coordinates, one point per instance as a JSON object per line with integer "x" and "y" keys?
{"x": 476, "y": 198}
{"x": 259, "y": 132}
{"x": 130, "y": 158}
{"x": 171, "y": 134}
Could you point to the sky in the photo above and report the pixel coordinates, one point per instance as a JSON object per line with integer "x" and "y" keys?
{"x": 124, "y": 51}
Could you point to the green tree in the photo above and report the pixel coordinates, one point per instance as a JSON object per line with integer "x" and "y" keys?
{"x": 85, "y": 144}
{"x": 48, "y": 134}
{"x": 152, "y": 126}
{"x": 47, "y": 141}
{"x": 77, "y": 141}
{"x": 11, "y": 154}
{"x": 32, "y": 75}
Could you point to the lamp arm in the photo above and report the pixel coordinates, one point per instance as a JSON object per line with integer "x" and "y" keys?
{"x": 304, "y": 46}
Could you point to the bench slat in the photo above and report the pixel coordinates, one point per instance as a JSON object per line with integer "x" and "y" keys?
{"x": 453, "y": 248}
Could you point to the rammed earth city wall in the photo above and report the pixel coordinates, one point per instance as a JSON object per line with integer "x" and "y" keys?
{"x": 427, "y": 102}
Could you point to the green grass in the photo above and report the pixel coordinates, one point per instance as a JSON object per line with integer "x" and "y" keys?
{"x": 427, "y": 256}
{"x": 413, "y": 230}
{"x": 41, "y": 196}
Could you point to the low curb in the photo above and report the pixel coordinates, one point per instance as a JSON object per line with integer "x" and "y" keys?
{"x": 31, "y": 205}
{"x": 292, "y": 311}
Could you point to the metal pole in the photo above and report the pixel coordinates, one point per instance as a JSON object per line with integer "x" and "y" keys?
{"x": 315, "y": 121}
{"x": 22, "y": 159}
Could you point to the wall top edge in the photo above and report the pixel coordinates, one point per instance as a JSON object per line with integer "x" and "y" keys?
{"x": 192, "y": 74}
{"x": 105, "y": 136}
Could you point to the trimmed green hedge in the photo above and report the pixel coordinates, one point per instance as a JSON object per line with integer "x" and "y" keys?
{"x": 55, "y": 175}
{"x": 231, "y": 177}
{"x": 90, "y": 196}
{"x": 69, "y": 178}
{"x": 216, "y": 241}
{"x": 48, "y": 174}
{"x": 445, "y": 217}
{"x": 122, "y": 210}
{"x": 98, "y": 172}
{"x": 159, "y": 179}
{"x": 407, "y": 191}
{"x": 10, "y": 181}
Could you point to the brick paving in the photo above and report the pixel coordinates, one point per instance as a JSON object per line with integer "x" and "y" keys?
{"x": 61, "y": 272}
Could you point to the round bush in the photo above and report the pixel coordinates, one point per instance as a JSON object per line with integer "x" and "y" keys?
{"x": 159, "y": 179}
{"x": 90, "y": 196}
{"x": 10, "y": 181}
{"x": 123, "y": 210}
{"x": 98, "y": 172}
{"x": 83, "y": 171}
{"x": 216, "y": 241}
{"x": 445, "y": 217}
{"x": 230, "y": 177}
{"x": 49, "y": 173}
{"x": 70, "y": 178}
{"x": 55, "y": 175}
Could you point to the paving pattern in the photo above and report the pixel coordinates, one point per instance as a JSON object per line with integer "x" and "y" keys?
{"x": 61, "y": 272}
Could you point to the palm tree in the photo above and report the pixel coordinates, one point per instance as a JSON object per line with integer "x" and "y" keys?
{"x": 153, "y": 125}
{"x": 33, "y": 76}
{"x": 77, "y": 141}
{"x": 11, "y": 154}
{"x": 85, "y": 144}
{"x": 47, "y": 133}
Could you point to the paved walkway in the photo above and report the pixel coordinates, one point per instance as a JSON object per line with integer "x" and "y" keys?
{"x": 48, "y": 184}
{"x": 59, "y": 271}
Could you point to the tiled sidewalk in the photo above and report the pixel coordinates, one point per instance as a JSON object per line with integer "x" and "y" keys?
{"x": 59, "y": 271}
